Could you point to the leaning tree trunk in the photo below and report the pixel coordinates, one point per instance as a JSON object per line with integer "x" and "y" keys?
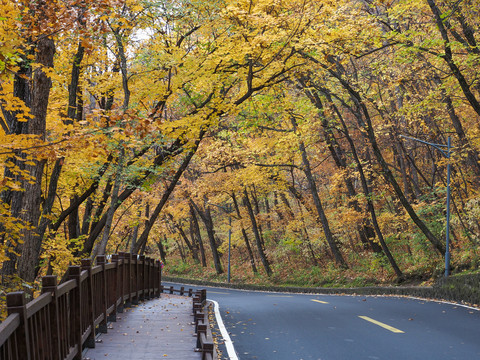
{"x": 189, "y": 244}
{"x": 245, "y": 236}
{"x": 156, "y": 212}
{"x": 365, "y": 230}
{"x": 368, "y": 197}
{"x": 318, "y": 204}
{"x": 102, "y": 246}
{"x": 206, "y": 217}
{"x": 387, "y": 173}
{"x": 195, "y": 233}
{"x": 256, "y": 233}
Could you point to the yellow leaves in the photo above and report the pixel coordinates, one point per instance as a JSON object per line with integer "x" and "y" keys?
{"x": 13, "y": 103}
{"x": 59, "y": 252}
{"x": 10, "y": 39}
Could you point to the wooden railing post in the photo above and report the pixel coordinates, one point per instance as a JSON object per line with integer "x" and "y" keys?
{"x": 76, "y": 309}
{"x": 87, "y": 265}
{"x": 122, "y": 288}
{"x": 128, "y": 279}
{"x": 151, "y": 274}
{"x": 115, "y": 288}
{"x": 158, "y": 277}
{"x": 146, "y": 284}
{"x": 49, "y": 285}
{"x": 16, "y": 305}
{"x": 135, "y": 279}
{"x": 142, "y": 275}
{"x": 102, "y": 327}
{"x": 151, "y": 290}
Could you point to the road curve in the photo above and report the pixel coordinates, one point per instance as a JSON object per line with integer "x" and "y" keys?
{"x": 278, "y": 326}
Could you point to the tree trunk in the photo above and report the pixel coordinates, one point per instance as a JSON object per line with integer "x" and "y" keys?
{"x": 365, "y": 230}
{"x": 73, "y": 222}
{"x": 318, "y": 204}
{"x": 256, "y": 233}
{"x": 102, "y": 246}
{"x": 195, "y": 229}
{"x": 448, "y": 57}
{"x": 206, "y": 217}
{"x": 180, "y": 230}
{"x": 134, "y": 236}
{"x": 148, "y": 226}
{"x": 368, "y": 196}
{"x": 244, "y": 234}
{"x": 37, "y": 126}
{"x": 387, "y": 174}
{"x": 162, "y": 250}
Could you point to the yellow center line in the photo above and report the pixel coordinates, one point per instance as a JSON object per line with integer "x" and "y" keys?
{"x": 385, "y": 326}
{"x": 215, "y": 292}
{"x": 319, "y": 301}
{"x": 287, "y": 296}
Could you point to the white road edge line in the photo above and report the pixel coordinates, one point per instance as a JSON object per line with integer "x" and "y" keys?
{"x": 232, "y": 355}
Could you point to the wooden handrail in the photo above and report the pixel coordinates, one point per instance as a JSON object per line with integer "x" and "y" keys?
{"x": 63, "y": 320}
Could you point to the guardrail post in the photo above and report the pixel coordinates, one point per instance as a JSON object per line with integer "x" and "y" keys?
{"x": 49, "y": 284}
{"x": 87, "y": 265}
{"x": 102, "y": 327}
{"x": 16, "y": 305}
{"x": 76, "y": 309}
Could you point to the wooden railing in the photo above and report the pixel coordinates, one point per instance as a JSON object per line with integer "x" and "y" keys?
{"x": 64, "y": 319}
{"x": 205, "y": 343}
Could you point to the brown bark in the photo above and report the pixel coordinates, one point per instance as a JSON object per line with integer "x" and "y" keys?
{"x": 365, "y": 231}
{"x": 448, "y": 57}
{"x": 365, "y": 121}
{"x": 206, "y": 217}
{"x": 144, "y": 236}
{"x": 195, "y": 231}
{"x": 37, "y": 126}
{"x": 256, "y": 233}
{"x": 318, "y": 204}
{"x": 180, "y": 230}
{"x": 244, "y": 234}
{"x": 368, "y": 196}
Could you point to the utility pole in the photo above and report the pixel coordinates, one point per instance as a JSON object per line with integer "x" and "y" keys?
{"x": 445, "y": 150}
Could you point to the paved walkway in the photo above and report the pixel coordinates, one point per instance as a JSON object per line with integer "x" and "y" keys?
{"x": 155, "y": 329}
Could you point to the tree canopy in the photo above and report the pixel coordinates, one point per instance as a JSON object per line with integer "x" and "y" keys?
{"x": 156, "y": 126}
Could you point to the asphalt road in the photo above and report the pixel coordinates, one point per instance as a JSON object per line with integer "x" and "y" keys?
{"x": 274, "y": 326}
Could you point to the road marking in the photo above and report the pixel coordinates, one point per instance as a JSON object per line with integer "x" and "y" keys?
{"x": 319, "y": 301}
{"x": 232, "y": 355}
{"x": 217, "y": 292}
{"x": 385, "y": 326}
{"x": 287, "y": 296}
